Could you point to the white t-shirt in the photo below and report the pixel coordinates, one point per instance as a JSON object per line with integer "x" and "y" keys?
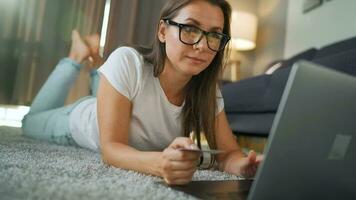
{"x": 155, "y": 122}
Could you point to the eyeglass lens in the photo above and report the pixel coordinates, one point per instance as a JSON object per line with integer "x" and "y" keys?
{"x": 191, "y": 35}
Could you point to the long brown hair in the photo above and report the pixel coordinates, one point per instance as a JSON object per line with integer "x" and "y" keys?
{"x": 200, "y": 108}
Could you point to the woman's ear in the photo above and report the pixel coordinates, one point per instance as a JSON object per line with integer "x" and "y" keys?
{"x": 161, "y": 31}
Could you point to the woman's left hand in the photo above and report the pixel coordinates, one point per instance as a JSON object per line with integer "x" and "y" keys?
{"x": 245, "y": 166}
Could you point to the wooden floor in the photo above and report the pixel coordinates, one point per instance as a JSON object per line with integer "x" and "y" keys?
{"x": 252, "y": 142}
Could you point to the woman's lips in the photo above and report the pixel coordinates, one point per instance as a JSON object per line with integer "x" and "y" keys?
{"x": 196, "y": 60}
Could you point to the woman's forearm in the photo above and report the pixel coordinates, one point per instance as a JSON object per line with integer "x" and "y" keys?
{"x": 125, "y": 157}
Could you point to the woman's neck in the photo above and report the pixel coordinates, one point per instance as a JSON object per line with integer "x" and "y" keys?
{"x": 173, "y": 84}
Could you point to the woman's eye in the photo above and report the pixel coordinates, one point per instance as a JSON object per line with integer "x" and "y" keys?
{"x": 191, "y": 29}
{"x": 215, "y": 36}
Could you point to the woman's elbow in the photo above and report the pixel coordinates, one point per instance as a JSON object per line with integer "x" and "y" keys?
{"x": 105, "y": 155}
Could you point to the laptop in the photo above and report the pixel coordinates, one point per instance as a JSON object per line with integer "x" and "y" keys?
{"x": 311, "y": 150}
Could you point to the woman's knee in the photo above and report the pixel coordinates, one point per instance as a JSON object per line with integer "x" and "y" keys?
{"x": 29, "y": 126}
{"x": 25, "y": 129}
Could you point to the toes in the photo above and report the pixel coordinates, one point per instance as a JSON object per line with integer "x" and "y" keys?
{"x": 79, "y": 51}
{"x": 75, "y": 35}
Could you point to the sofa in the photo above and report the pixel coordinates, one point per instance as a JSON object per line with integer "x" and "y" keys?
{"x": 251, "y": 104}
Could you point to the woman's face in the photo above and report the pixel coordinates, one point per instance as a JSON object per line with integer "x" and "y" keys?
{"x": 190, "y": 60}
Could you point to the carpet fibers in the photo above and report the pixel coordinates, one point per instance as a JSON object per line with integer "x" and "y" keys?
{"x": 31, "y": 169}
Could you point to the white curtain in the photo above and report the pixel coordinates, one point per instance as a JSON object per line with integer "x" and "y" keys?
{"x": 34, "y": 35}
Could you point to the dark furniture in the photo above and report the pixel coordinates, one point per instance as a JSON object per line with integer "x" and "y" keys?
{"x": 251, "y": 104}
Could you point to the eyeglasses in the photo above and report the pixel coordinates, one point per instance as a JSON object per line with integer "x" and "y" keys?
{"x": 190, "y": 35}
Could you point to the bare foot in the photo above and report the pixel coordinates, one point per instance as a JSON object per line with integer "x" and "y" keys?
{"x": 93, "y": 43}
{"x": 79, "y": 51}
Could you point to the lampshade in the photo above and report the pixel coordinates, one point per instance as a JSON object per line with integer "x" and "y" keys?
{"x": 243, "y": 30}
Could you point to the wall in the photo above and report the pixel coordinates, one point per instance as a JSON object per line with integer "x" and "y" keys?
{"x": 283, "y": 29}
{"x": 332, "y": 21}
{"x": 270, "y": 34}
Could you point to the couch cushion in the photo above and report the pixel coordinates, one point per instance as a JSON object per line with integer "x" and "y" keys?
{"x": 275, "y": 88}
{"x": 343, "y": 61}
{"x": 255, "y": 94}
{"x": 304, "y": 55}
{"x": 246, "y": 95}
{"x": 252, "y": 124}
{"x": 335, "y": 48}
{"x": 263, "y": 93}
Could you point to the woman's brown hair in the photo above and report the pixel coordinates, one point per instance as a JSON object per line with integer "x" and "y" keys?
{"x": 200, "y": 108}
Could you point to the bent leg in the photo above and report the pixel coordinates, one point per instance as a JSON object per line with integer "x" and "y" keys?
{"x": 94, "y": 82}
{"x": 54, "y": 92}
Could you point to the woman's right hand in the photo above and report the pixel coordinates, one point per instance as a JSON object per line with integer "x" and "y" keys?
{"x": 178, "y": 167}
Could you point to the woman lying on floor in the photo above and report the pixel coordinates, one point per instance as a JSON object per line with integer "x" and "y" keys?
{"x": 149, "y": 101}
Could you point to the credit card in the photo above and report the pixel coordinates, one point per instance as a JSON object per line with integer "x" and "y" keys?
{"x": 211, "y": 151}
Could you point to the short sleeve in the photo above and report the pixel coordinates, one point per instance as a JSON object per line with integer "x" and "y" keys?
{"x": 219, "y": 101}
{"x": 123, "y": 70}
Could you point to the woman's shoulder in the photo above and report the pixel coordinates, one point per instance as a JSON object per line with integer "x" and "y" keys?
{"x": 123, "y": 69}
{"x": 126, "y": 51}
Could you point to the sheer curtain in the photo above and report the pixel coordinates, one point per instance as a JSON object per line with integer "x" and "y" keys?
{"x": 34, "y": 35}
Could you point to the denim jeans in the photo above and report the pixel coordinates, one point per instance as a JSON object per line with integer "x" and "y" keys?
{"x": 48, "y": 118}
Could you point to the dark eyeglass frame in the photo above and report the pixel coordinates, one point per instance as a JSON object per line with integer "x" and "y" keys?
{"x": 224, "y": 38}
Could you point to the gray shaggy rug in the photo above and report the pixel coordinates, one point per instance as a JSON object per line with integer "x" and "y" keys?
{"x": 31, "y": 169}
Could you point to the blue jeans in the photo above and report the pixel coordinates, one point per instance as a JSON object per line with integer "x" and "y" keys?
{"x": 48, "y": 118}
